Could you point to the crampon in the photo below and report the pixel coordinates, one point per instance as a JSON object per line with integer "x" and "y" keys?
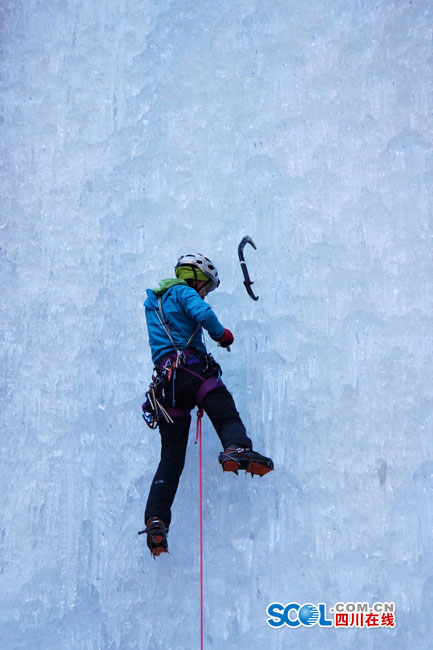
{"x": 235, "y": 458}
{"x": 156, "y": 532}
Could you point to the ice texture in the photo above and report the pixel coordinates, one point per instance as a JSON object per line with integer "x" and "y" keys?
{"x": 135, "y": 131}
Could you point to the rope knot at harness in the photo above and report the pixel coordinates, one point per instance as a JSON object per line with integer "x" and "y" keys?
{"x": 200, "y": 413}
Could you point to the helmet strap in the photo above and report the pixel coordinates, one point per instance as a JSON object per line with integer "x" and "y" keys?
{"x": 193, "y": 282}
{"x": 195, "y": 273}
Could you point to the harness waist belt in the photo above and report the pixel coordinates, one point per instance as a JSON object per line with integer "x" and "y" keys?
{"x": 190, "y": 354}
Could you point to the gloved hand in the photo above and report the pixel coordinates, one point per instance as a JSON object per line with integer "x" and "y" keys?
{"x": 226, "y": 339}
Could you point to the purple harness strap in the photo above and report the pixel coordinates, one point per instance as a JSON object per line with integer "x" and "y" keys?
{"x": 207, "y": 385}
{"x": 205, "y": 388}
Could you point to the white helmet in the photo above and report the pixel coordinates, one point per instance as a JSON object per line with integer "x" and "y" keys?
{"x": 201, "y": 262}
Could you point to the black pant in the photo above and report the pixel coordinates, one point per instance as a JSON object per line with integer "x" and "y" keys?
{"x": 220, "y": 407}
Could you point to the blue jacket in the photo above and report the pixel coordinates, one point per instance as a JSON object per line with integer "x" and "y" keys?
{"x": 183, "y": 310}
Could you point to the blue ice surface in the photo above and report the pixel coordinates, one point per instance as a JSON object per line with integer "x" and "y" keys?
{"x": 132, "y": 132}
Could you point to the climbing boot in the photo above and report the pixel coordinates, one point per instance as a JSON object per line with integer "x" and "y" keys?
{"x": 235, "y": 458}
{"x": 156, "y": 532}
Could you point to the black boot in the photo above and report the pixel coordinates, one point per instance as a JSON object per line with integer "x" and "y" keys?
{"x": 156, "y": 532}
{"x": 234, "y": 458}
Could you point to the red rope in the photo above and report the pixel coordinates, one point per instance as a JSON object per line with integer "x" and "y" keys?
{"x": 198, "y": 437}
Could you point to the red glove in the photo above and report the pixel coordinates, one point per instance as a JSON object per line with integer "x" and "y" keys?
{"x": 226, "y": 339}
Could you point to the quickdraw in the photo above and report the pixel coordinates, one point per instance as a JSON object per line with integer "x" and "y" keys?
{"x": 247, "y": 281}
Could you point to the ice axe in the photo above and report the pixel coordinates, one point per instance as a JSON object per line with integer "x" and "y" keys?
{"x": 247, "y": 280}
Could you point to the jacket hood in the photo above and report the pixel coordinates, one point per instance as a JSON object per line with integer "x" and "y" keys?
{"x": 164, "y": 285}
{"x": 153, "y": 294}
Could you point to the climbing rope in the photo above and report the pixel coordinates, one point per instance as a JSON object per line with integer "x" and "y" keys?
{"x": 198, "y": 438}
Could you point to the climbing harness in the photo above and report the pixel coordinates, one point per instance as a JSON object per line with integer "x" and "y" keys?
{"x": 247, "y": 280}
{"x": 163, "y": 379}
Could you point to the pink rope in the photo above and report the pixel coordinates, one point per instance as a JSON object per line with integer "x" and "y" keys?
{"x": 198, "y": 437}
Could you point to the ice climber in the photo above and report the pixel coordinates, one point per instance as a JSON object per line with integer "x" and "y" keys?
{"x": 186, "y": 376}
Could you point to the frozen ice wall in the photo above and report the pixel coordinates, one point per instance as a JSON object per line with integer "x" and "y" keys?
{"x": 133, "y": 131}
